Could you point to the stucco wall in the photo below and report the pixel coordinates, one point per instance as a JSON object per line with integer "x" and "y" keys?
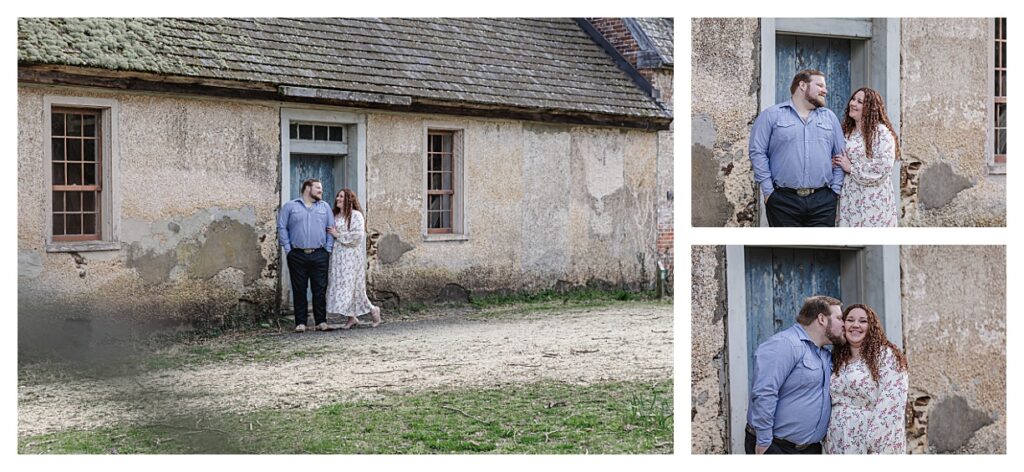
{"x": 945, "y": 88}
{"x": 710, "y": 408}
{"x": 198, "y": 184}
{"x": 546, "y": 205}
{"x": 726, "y": 74}
{"x": 954, "y": 326}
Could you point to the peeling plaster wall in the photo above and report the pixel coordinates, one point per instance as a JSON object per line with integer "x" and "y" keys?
{"x": 954, "y": 327}
{"x": 945, "y": 129}
{"x": 726, "y": 76}
{"x": 198, "y": 181}
{"x": 546, "y": 205}
{"x": 710, "y": 406}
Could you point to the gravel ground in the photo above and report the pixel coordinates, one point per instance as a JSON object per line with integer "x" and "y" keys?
{"x": 629, "y": 341}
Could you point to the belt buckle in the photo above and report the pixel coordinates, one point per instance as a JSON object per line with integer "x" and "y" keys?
{"x": 308, "y": 251}
{"x": 803, "y": 192}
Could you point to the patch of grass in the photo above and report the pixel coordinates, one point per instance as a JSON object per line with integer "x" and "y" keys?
{"x": 542, "y": 418}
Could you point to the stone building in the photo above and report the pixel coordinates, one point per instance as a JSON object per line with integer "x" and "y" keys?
{"x": 943, "y": 80}
{"x": 944, "y": 305}
{"x": 491, "y": 155}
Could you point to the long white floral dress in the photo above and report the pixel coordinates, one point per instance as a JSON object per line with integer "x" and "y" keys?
{"x": 346, "y": 284}
{"x": 868, "y": 198}
{"x": 868, "y": 417}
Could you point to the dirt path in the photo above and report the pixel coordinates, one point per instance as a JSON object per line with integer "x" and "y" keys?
{"x": 622, "y": 342}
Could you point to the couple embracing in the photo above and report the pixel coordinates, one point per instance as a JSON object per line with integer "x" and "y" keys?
{"x": 807, "y": 400}
{"x": 810, "y": 165}
{"x": 324, "y": 247}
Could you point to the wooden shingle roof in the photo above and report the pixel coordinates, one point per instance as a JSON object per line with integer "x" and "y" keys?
{"x": 545, "y": 67}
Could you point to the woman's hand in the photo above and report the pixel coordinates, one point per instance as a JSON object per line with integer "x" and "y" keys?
{"x": 842, "y": 161}
{"x": 333, "y": 232}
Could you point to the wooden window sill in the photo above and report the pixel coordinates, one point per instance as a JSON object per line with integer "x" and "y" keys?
{"x": 82, "y": 246}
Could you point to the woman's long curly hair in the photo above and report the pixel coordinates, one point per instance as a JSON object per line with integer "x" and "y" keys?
{"x": 872, "y": 113}
{"x": 870, "y": 349}
{"x": 351, "y": 203}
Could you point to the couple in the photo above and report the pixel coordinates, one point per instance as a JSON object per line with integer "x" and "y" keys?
{"x": 854, "y": 397}
{"x": 806, "y": 161}
{"x": 324, "y": 247}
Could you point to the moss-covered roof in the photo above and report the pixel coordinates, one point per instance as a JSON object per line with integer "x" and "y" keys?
{"x": 547, "y": 64}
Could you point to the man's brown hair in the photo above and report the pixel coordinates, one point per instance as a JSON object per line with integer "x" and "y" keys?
{"x": 813, "y": 306}
{"x": 803, "y": 76}
{"x": 308, "y": 183}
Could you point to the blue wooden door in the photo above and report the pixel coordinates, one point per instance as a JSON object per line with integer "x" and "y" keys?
{"x": 313, "y": 166}
{"x": 829, "y": 55}
{"x": 778, "y": 280}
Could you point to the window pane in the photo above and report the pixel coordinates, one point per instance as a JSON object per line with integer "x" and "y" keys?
{"x": 435, "y": 181}
{"x": 90, "y": 174}
{"x": 320, "y": 133}
{"x": 74, "y": 200}
{"x": 1001, "y": 141}
{"x": 446, "y": 144}
{"x": 1000, "y": 115}
{"x": 89, "y": 149}
{"x": 1002, "y": 83}
{"x": 89, "y": 223}
{"x": 58, "y": 201}
{"x": 293, "y": 131}
{"x": 58, "y": 174}
{"x": 446, "y": 182}
{"x": 446, "y": 202}
{"x": 57, "y": 124}
{"x": 447, "y": 163}
{"x": 89, "y": 125}
{"x": 74, "y": 125}
{"x": 74, "y": 174}
{"x": 74, "y": 149}
{"x": 435, "y": 163}
{"x": 336, "y": 134}
{"x": 74, "y": 224}
{"x": 305, "y": 131}
{"x": 434, "y": 219}
{"x": 1002, "y": 51}
{"x": 57, "y": 153}
{"x": 58, "y": 224}
{"x": 435, "y": 143}
{"x": 446, "y": 219}
{"x": 88, "y": 201}
{"x": 435, "y": 202}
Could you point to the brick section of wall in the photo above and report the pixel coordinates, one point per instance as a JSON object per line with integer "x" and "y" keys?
{"x": 615, "y": 31}
{"x": 665, "y": 244}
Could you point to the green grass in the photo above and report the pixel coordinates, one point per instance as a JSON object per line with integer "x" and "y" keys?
{"x": 543, "y": 418}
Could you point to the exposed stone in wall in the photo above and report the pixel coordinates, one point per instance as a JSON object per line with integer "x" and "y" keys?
{"x": 952, "y": 423}
{"x": 709, "y": 410}
{"x": 939, "y": 185}
{"x": 726, "y": 80}
{"x": 391, "y": 247}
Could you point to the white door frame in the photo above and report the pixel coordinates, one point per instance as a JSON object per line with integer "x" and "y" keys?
{"x": 876, "y": 283}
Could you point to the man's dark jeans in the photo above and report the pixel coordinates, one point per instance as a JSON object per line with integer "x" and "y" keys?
{"x": 304, "y": 269}
{"x": 785, "y": 208}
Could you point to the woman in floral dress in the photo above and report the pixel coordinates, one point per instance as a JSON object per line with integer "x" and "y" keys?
{"x": 346, "y": 285}
{"x": 868, "y": 197}
{"x": 869, "y": 389}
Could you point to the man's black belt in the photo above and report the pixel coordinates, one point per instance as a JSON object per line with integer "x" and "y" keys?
{"x": 803, "y": 192}
{"x": 782, "y": 442}
{"x": 307, "y": 251}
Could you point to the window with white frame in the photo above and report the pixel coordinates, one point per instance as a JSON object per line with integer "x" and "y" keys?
{"x": 999, "y": 93}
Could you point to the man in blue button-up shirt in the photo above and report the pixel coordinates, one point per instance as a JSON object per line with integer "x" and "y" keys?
{"x": 791, "y": 150}
{"x": 302, "y": 231}
{"x": 790, "y": 404}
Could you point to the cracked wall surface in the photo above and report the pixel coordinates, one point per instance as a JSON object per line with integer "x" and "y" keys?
{"x": 198, "y": 199}
{"x": 709, "y": 407}
{"x": 546, "y": 205}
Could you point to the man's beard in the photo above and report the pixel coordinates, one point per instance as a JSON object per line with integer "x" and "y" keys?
{"x": 836, "y": 340}
{"x": 817, "y": 101}
{"x": 316, "y": 198}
